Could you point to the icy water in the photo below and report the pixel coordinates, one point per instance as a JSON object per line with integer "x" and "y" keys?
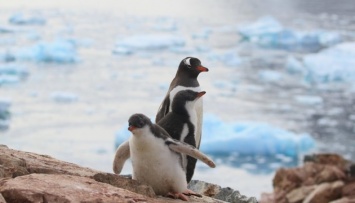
{"x": 102, "y": 88}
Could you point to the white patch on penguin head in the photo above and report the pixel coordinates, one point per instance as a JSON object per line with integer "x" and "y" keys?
{"x": 187, "y": 62}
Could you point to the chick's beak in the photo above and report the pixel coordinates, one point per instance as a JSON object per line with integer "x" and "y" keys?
{"x": 202, "y": 69}
{"x": 131, "y": 128}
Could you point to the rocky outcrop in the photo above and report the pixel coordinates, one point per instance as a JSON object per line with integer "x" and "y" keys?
{"x": 217, "y": 192}
{"x": 323, "y": 178}
{"x": 30, "y": 177}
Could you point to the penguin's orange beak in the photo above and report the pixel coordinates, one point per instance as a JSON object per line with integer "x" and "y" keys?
{"x": 202, "y": 69}
{"x": 200, "y": 94}
{"x": 131, "y": 127}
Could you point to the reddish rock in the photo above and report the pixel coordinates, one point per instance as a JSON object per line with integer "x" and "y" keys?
{"x": 299, "y": 194}
{"x": 2, "y": 200}
{"x": 349, "y": 190}
{"x": 63, "y": 188}
{"x": 267, "y": 198}
{"x": 36, "y": 163}
{"x": 328, "y": 159}
{"x": 325, "y": 192}
{"x": 344, "y": 200}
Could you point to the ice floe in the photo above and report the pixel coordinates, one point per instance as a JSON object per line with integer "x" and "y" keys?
{"x": 24, "y": 19}
{"x": 12, "y": 74}
{"x": 64, "y": 97}
{"x": 58, "y": 51}
{"x": 270, "y": 33}
{"x": 335, "y": 64}
{"x": 4, "y": 113}
{"x": 249, "y": 139}
{"x": 132, "y": 44}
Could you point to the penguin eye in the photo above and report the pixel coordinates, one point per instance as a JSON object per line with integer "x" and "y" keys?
{"x": 187, "y": 62}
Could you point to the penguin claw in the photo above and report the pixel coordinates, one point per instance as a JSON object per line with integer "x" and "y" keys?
{"x": 177, "y": 196}
{"x": 190, "y": 192}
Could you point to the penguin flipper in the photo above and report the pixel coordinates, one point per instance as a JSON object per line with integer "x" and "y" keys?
{"x": 163, "y": 109}
{"x": 122, "y": 154}
{"x": 184, "y": 148}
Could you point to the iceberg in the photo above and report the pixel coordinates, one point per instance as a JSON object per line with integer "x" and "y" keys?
{"x": 130, "y": 45}
{"x": 247, "y": 139}
{"x": 59, "y": 51}
{"x": 22, "y": 19}
{"x": 269, "y": 33}
{"x": 335, "y": 64}
{"x": 252, "y": 139}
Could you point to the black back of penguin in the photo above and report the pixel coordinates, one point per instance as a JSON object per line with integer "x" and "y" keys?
{"x": 186, "y": 77}
{"x": 179, "y": 126}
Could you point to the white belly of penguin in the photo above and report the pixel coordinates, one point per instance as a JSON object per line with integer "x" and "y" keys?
{"x": 156, "y": 165}
{"x": 196, "y": 112}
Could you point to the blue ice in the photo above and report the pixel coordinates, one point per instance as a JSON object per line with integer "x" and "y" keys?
{"x": 4, "y": 113}
{"x": 22, "y": 19}
{"x": 252, "y": 138}
{"x": 249, "y": 139}
{"x": 58, "y": 51}
{"x": 268, "y": 32}
{"x": 132, "y": 44}
{"x": 12, "y": 69}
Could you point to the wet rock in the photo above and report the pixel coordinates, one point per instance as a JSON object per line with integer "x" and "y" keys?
{"x": 63, "y": 188}
{"x": 225, "y": 194}
{"x": 325, "y": 192}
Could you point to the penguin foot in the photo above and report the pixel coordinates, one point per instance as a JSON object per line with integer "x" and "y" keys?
{"x": 190, "y": 192}
{"x": 178, "y": 196}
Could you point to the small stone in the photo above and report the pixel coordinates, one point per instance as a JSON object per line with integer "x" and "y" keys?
{"x": 204, "y": 188}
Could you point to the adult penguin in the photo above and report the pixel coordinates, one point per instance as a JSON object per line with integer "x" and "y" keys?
{"x": 185, "y": 79}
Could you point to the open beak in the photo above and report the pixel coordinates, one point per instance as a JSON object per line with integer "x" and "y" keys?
{"x": 200, "y": 94}
{"x": 202, "y": 69}
{"x": 131, "y": 127}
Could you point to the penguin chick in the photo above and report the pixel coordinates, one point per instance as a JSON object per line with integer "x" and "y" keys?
{"x": 157, "y": 158}
{"x": 180, "y": 123}
{"x": 185, "y": 78}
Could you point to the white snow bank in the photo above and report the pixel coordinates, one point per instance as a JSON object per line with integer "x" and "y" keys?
{"x": 135, "y": 43}
{"x": 335, "y": 64}
{"x": 245, "y": 139}
{"x": 268, "y": 32}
